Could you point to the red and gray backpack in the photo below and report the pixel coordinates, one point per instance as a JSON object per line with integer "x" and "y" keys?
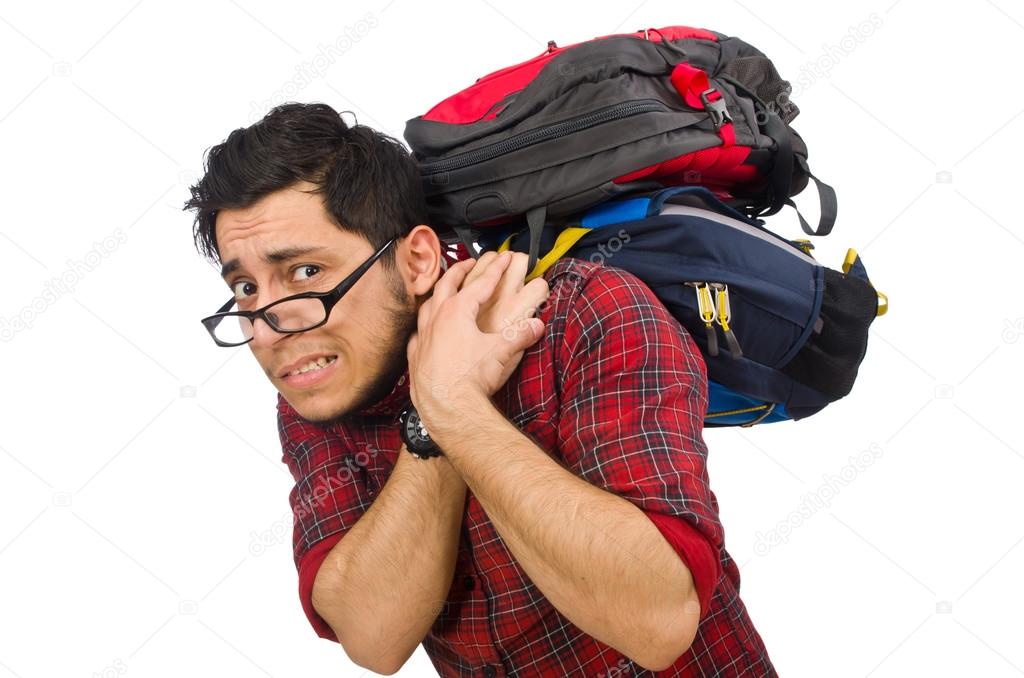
{"x": 528, "y": 154}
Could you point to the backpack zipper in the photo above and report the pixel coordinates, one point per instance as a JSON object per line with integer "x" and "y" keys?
{"x": 717, "y": 310}
{"x": 541, "y": 134}
{"x": 724, "y": 315}
{"x": 706, "y": 309}
{"x": 765, "y": 410}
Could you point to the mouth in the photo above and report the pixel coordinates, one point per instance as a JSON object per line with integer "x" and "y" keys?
{"x": 313, "y": 373}
{"x": 309, "y": 365}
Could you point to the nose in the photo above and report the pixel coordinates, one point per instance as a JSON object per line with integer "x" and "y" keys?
{"x": 263, "y": 335}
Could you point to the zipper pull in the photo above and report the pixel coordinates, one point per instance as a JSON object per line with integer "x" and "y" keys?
{"x": 724, "y": 314}
{"x": 706, "y": 309}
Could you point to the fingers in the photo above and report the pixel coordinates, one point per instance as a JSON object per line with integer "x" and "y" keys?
{"x": 482, "y": 263}
{"x": 522, "y": 333}
{"x": 494, "y": 278}
{"x": 528, "y": 302}
{"x": 446, "y": 286}
{"x": 535, "y": 294}
{"x": 459, "y": 276}
{"x": 452, "y": 279}
{"x": 515, "y": 275}
{"x": 482, "y": 288}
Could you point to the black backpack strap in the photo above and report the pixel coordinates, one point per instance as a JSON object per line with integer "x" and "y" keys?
{"x": 466, "y": 235}
{"x": 535, "y": 220}
{"x": 829, "y": 205}
{"x": 781, "y": 177}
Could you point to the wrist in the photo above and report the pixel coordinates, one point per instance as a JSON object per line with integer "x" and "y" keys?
{"x": 445, "y": 470}
{"x": 456, "y": 420}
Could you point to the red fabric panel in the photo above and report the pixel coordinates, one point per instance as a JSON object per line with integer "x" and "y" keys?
{"x": 696, "y": 552}
{"x": 478, "y": 100}
{"x": 716, "y": 166}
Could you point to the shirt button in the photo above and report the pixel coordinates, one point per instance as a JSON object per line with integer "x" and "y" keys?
{"x": 489, "y": 671}
{"x": 469, "y": 583}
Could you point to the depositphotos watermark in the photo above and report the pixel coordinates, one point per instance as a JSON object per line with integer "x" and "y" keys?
{"x": 58, "y": 286}
{"x": 308, "y": 503}
{"x": 114, "y": 669}
{"x": 831, "y": 55}
{"x": 812, "y": 502}
{"x": 1013, "y": 330}
{"x": 317, "y": 67}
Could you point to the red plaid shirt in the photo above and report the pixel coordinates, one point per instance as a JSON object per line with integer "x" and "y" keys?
{"x": 616, "y": 389}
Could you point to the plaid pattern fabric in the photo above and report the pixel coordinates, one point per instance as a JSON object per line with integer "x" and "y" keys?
{"x": 616, "y": 390}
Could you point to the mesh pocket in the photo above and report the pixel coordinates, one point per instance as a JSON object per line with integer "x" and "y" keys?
{"x": 828, "y": 362}
{"x": 758, "y": 74}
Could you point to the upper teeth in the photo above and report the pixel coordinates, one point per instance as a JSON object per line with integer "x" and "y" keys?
{"x": 313, "y": 365}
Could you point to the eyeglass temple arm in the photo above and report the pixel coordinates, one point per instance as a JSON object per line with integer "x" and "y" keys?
{"x": 337, "y": 293}
{"x": 213, "y": 321}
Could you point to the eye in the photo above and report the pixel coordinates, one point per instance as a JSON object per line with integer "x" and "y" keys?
{"x": 240, "y": 289}
{"x": 305, "y": 269}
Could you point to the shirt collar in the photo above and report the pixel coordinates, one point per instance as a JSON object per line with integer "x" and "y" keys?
{"x": 391, "y": 404}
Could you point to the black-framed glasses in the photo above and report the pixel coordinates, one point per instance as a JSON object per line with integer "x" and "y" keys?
{"x": 297, "y": 313}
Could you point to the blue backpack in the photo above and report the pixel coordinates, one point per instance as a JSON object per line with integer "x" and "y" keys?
{"x": 782, "y": 335}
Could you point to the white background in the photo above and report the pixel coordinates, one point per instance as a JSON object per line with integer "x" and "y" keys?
{"x": 140, "y": 464}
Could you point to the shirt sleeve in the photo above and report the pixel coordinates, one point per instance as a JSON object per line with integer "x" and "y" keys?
{"x": 331, "y": 493}
{"x": 634, "y": 394}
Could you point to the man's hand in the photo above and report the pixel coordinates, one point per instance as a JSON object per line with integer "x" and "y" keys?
{"x": 471, "y": 334}
{"x": 506, "y": 306}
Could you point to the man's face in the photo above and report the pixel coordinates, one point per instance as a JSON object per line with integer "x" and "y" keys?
{"x": 365, "y": 337}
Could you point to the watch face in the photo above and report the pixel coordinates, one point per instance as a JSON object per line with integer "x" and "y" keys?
{"x": 415, "y": 432}
{"x": 415, "y": 436}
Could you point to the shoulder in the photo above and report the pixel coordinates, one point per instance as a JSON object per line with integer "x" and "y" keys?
{"x": 594, "y": 299}
{"x": 574, "y": 281}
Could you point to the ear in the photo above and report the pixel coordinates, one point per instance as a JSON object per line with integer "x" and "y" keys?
{"x": 419, "y": 260}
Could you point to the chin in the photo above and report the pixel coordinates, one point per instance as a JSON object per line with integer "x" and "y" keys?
{"x": 318, "y": 415}
{"x": 317, "y": 407}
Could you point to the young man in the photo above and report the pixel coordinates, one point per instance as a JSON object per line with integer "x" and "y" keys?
{"x": 548, "y": 513}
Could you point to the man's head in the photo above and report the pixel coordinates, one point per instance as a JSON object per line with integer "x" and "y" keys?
{"x": 296, "y": 202}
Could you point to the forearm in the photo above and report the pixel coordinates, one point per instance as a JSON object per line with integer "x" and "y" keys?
{"x": 381, "y": 587}
{"x": 596, "y": 557}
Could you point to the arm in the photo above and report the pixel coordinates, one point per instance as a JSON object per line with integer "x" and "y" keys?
{"x": 381, "y": 587}
{"x": 633, "y": 393}
{"x": 599, "y": 560}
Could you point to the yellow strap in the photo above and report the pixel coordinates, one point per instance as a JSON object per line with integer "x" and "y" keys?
{"x": 851, "y": 257}
{"x": 883, "y": 300}
{"x": 566, "y": 239}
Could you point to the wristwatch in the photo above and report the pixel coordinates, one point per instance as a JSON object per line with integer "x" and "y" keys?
{"x": 415, "y": 436}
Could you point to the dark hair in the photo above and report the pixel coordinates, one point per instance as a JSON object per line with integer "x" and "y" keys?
{"x": 369, "y": 181}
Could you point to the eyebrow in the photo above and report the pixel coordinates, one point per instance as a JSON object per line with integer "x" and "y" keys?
{"x": 272, "y": 258}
